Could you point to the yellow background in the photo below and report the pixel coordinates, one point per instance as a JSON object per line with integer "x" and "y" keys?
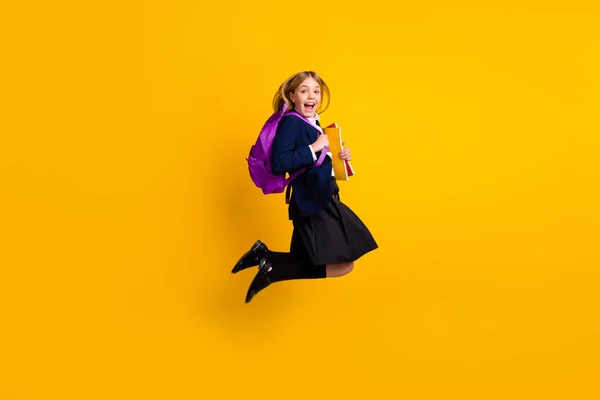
{"x": 125, "y": 200}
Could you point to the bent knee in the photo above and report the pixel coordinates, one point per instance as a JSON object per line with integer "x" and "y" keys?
{"x": 340, "y": 269}
{"x": 349, "y": 267}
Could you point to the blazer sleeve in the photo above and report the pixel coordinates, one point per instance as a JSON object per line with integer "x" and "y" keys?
{"x": 285, "y": 157}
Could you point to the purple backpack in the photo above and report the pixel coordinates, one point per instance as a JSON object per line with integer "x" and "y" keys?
{"x": 259, "y": 159}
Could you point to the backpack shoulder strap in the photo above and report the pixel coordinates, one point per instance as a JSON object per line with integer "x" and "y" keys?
{"x": 302, "y": 170}
{"x": 302, "y": 117}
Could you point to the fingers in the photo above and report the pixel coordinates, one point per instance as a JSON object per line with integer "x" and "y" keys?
{"x": 345, "y": 155}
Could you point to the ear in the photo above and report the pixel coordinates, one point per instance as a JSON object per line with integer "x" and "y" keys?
{"x": 292, "y": 97}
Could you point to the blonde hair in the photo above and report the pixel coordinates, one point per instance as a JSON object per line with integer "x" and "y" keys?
{"x": 283, "y": 93}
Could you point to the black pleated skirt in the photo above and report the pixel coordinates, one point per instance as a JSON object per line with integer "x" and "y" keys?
{"x": 334, "y": 235}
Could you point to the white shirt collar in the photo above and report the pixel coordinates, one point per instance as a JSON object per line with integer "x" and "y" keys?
{"x": 315, "y": 118}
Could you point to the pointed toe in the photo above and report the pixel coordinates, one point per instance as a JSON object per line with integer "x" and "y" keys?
{"x": 251, "y": 257}
{"x": 260, "y": 281}
{"x": 250, "y": 295}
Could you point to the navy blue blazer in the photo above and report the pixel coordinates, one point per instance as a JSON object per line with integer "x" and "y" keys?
{"x": 311, "y": 191}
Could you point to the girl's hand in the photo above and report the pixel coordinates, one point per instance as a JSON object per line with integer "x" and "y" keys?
{"x": 345, "y": 154}
{"x": 321, "y": 142}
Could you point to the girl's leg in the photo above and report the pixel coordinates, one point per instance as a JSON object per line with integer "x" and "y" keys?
{"x": 283, "y": 267}
{"x": 288, "y": 268}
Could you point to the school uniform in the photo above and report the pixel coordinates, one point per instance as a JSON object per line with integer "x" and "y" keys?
{"x": 326, "y": 231}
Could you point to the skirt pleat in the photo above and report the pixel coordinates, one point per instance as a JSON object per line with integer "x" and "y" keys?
{"x": 334, "y": 235}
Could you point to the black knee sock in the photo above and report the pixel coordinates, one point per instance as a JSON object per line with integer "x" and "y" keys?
{"x": 277, "y": 257}
{"x": 285, "y": 267}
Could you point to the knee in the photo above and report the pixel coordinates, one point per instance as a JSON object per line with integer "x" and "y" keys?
{"x": 340, "y": 269}
{"x": 348, "y": 268}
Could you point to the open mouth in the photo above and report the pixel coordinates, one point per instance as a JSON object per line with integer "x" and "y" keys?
{"x": 310, "y": 107}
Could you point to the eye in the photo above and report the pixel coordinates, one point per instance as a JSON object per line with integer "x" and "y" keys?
{"x": 303, "y": 91}
{"x": 317, "y": 91}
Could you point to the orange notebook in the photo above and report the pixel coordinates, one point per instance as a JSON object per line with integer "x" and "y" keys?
{"x": 341, "y": 168}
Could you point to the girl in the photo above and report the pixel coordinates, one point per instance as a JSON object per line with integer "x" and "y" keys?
{"x": 327, "y": 237}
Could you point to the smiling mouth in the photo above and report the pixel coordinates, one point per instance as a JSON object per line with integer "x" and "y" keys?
{"x": 309, "y": 106}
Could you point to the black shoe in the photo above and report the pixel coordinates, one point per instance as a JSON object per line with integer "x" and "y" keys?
{"x": 251, "y": 258}
{"x": 260, "y": 281}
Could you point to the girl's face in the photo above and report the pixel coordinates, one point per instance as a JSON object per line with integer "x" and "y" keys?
{"x": 307, "y": 97}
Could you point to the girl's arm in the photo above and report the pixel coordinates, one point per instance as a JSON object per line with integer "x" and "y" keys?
{"x": 284, "y": 155}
